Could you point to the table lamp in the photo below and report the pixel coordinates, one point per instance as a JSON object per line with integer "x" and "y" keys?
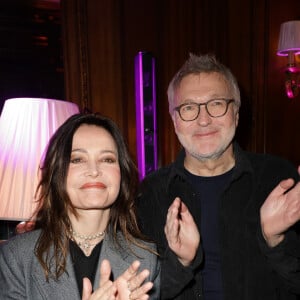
{"x": 26, "y": 125}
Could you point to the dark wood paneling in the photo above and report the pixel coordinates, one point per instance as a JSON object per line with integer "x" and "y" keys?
{"x": 93, "y": 68}
{"x": 76, "y": 71}
{"x": 30, "y": 50}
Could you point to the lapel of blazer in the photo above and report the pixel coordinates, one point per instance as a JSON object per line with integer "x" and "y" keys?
{"x": 118, "y": 258}
{"x": 63, "y": 288}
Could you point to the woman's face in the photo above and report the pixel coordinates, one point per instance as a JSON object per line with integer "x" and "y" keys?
{"x": 93, "y": 179}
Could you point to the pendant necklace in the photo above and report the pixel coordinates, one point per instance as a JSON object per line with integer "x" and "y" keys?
{"x": 86, "y": 244}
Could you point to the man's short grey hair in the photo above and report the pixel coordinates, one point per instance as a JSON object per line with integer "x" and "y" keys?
{"x": 203, "y": 64}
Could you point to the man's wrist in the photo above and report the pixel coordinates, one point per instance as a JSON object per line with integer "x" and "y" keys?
{"x": 274, "y": 240}
{"x": 185, "y": 262}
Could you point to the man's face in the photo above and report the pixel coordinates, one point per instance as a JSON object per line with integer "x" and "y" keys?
{"x": 205, "y": 138}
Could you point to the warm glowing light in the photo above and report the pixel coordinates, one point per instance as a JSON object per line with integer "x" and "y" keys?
{"x": 289, "y": 45}
{"x": 26, "y": 125}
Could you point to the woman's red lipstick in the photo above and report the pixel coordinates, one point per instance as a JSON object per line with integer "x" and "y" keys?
{"x": 89, "y": 185}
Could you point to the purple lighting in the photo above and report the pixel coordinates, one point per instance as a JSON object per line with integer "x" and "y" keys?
{"x": 146, "y": 128}
{"x": 289, "y": 45}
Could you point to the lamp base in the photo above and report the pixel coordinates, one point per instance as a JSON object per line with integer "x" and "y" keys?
{"x": 292, "y": 82}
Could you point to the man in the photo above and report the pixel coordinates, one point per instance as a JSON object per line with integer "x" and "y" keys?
{"x": 244, "y": 204}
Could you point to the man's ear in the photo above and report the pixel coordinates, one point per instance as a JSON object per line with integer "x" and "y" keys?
{"x": 237, "y": 117}
{"x": 173, "y": 117}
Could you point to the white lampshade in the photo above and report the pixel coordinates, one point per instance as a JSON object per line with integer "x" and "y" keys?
{"x": 26, "y": 125}
{"x": 289, "y": 38}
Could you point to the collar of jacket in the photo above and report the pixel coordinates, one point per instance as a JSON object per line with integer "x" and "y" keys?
{"x": 242, "y": 166}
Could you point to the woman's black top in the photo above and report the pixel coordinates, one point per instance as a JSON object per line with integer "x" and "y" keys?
{"x": 84, "y": 266}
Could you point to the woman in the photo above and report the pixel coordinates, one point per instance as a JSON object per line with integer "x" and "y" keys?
{"x": 86, "y": 223}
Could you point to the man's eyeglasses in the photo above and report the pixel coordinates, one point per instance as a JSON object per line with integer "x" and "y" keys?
{"x": 214, "y": 107}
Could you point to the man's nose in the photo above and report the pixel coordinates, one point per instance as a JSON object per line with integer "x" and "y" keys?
{"x": 203, "y": 118}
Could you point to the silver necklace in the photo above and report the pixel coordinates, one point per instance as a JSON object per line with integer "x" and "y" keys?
{"x": 85, "y": 245}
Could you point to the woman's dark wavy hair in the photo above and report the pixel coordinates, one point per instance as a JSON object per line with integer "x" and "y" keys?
{"x": 54, "y": 203}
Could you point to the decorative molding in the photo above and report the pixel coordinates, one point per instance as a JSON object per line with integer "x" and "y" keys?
{"x": 76, "y": 61}
{"x": 83, "y": 54}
